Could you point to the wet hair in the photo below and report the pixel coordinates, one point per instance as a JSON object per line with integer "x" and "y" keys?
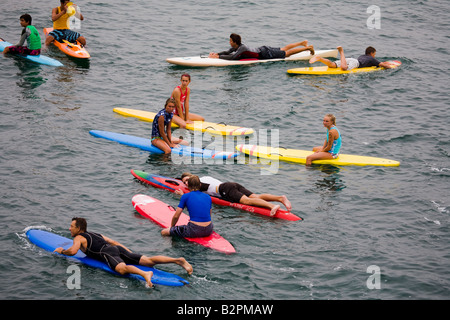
{"x": 370, "y": 50}
{"x": 236, "y": 38}
{"x": 194, "y": 183}
{"x": 26, "y": 17}
{"x": 186, "y": 75}
{"x": 332, "y": 118}
{"x": 185, "y": 174}
{"x": 80, "y": 223}
{"x": 170, "y": 100}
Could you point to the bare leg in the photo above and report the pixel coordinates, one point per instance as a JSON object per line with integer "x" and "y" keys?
{"x": 161, "y": 144}
{"x": 344, "y": 65}
{"x": 123, "y": 268}
{"x": 179, "y": 121}
{"x": 291, "y": 49}
{"x": 270, "y": 197}
{"x": 48, "y": 40}
{"x": 318, "y": 156}
{"x": 195, "y": 117}
{"x": 327, "y": 62}
{"x": 151, "y": 261}
{"x": 82, "y": 40}
{"x": 255, "y": 201}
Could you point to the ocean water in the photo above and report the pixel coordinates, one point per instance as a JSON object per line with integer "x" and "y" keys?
{"x": 356, "y": 219}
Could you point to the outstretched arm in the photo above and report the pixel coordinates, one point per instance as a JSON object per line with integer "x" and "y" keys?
{"x": 73, "y": 249}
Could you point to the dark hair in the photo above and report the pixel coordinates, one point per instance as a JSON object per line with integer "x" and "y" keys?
{"x": 194, "y": 183}
{"x": 80, "y": 223}
{"x": 26, "y": 17}
{"x": 236, "y": 38}
{"x": 170, "y": 100}
{"x": 370, "y": 50}
{"x": 186, "y": 75}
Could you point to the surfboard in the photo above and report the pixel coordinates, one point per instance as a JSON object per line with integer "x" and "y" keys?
{"x": 325, "y": 70}
{"x": 204, "y": 126}
{"x": 299, "y": 156}
{"x": 50, "y": 241}
{"x": 75, "y": 50}
{"x": 146, "y": 144}
{"x": 162, "y": 214}
{"x": 204, "y": 61}
{"x": 173, "y": 185}
{"x": 39, "y": 58}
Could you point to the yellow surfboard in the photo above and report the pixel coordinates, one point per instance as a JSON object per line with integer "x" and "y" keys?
{"x": 324, "y": 70}
{"x": 204, "y": 126}
{"x": 299, "y": 156}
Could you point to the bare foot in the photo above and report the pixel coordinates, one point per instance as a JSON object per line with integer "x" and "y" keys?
{"x": 311, "y": 49}
{"x": 314, "y": 59}
{"x": 340, "y": 49}
{"x": 304, "y": 43}
{"x": 186, "y": 265}
{"x": 274, "y": 210}
{"x": 148, "y": 278}
{"x": 286, "y": 203}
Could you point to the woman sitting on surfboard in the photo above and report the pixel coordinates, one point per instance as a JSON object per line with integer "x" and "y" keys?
{"x": 239, "y": 50}
{"x": 364, "y": 61}
{"x": 61, "y": 29}
{"x": 332, "y": 144}
{"x": 234, "y": 192}
{"x": 199, "y": 207}
{"x": 162, "y": 128}
{"x": 30, "y": 35}
{"x": 181, "y": 95}
{"x": 118, "y": 257}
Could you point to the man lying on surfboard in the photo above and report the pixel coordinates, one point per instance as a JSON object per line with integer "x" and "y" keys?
{"x": 363, "y": 61}
{"x": 118, "y": 257}
{"x": 234, "y": 192}
{"x": 239, "y": 50}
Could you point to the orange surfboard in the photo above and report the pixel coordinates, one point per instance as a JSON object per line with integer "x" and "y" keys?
{"x": 75, "y": 50}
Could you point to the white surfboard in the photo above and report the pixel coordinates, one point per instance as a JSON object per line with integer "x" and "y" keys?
{"x": 204, "y": 61}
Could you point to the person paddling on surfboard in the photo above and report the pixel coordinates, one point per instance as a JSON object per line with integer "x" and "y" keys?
{"x": 234, "y": 192}
{"x": 199, "y": 207}
{"x": 162, "y": 128}
{"x": 332, "y": 144}
{"x": 239, "y": 50}
{"x": 30, "y": 35}
{"x": 118, "y": 257}
{"x": 61, "y": 29}
{"x": 364, "y": 61}
{"x": 181, "y": 95}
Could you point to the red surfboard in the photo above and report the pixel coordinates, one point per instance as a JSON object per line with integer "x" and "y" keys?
{"x": 162, "y": 214}
{"x": 172, "y": 185}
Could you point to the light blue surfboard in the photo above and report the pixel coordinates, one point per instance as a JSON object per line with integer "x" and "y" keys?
{"x": 50, "y": 241}
{"x": 146, "y": 144}
{"x": 39, "y": 59}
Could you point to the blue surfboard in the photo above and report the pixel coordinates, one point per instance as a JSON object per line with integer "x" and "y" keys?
{"x": 146, "y": 144}
{"x": 50, "y": 241}
{"x": 39, "y": 59}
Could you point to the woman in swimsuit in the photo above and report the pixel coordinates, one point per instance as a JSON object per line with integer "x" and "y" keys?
{"x": 331, "y": 146}
{"x": 181, "y": 94}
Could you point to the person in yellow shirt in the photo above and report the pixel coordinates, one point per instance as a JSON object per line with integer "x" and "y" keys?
{"x": 61, "y": 29}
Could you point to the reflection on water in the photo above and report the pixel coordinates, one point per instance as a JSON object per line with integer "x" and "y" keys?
{"x": 29, "y": 77}
{"x": 331, "y": 181}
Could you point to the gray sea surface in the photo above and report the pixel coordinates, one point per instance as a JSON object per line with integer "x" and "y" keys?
{"x": 368, "y": 232}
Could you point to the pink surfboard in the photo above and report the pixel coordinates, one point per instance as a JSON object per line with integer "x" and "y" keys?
{"x": 162, "y": 214}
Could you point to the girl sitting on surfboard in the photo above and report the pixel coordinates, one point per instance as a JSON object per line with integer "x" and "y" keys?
{"x": 181, "y": 95}
{"x": 162, "y": 128}
{"x": 199, "y": 207}
{"x": 332, "y": 144}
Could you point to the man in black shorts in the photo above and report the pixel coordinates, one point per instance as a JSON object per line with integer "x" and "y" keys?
{"x": 234, "y": 192}
{"x": 240, "y": 51}
{"x": 117, "y": 256}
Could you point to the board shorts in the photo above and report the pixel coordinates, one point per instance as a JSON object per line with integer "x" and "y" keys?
{"x": 271, "y": 53}
{"x": 334, "y": 155}
{"x": 191, "y": 230}
{"x": 352, "y": 63}
{"x": 233, "y": 192}
{"x": 113, "y": 255}
{"x": 24, "y": 51}
{"x": 65, "y": 34}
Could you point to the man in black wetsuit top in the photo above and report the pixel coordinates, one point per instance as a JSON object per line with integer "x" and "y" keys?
{"x": 240, "y": 51}
{"x": 117, "y": 256}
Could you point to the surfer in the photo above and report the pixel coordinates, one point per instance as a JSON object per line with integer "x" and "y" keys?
{"x": 162, "y": 128}
{"x": 61, "y": 29}
{"x": 363, "y": 61}
{"x": 332, "y": 144}
{"x": 234, "y": 192}
{"x": 239, "y": 50}
{"x": 181, "y": 95}
{"x": 199, "y": 207}
{"x": 30, "y": 35}
{"x": 118, "y": 257}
